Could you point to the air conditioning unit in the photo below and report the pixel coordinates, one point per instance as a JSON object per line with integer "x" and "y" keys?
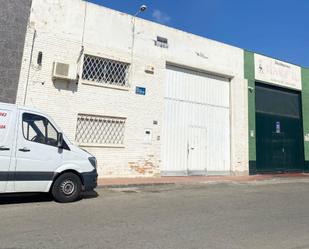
{"x": 64, "y": 71}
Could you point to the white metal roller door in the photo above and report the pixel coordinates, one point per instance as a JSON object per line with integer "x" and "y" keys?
{"x": 196, "y": 129}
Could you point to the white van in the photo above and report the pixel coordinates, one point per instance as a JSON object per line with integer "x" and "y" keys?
{"x": 35, "y": 156}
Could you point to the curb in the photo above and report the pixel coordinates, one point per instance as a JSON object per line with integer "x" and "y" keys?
{"x": 272, "y": 179}
{"x": 134, "y": 185}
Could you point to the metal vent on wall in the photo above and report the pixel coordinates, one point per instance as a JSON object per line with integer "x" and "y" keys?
{"x": 100, "y": 130}
{"x": 161, "y": 42}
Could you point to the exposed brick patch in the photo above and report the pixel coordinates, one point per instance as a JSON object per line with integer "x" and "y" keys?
{"x": 145, "y": 167}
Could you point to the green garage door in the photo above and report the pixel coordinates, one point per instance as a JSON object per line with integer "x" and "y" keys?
{"x": 279, "y": 131}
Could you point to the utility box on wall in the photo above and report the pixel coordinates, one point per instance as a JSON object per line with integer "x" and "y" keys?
{"x": 64, "y": 71}
{"x": 148, "y": 136}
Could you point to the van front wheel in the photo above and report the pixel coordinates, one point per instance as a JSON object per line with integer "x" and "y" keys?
{"x": 67, "y": 188}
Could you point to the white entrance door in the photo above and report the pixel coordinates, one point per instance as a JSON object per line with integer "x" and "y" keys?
{"x": 197, "y": 151}
{"x": 195, "y": 99}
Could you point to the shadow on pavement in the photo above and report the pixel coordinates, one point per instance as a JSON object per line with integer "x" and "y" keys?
{"x": 90, "y": 195}
{"x": 6, "y": 199}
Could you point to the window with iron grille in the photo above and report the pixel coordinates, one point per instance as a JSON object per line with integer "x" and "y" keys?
{"x": 105, "y": 71}
{"x": 100, "y": 130}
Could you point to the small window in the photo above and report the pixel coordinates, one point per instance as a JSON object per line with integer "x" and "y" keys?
{"x": 162, "y": 39}
{"x": 105, "y": 71}
{"x": 39, "y": 130}
{"x": 100, "y": 130}
{"x": 161, "y": 42}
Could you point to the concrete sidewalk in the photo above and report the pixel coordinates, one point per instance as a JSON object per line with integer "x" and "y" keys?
{"x": 144, "y": 181}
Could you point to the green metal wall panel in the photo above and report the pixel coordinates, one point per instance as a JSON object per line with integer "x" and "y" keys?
{"x": 249, "y": 71}
{"x": 279, "y": 130}
{"x": 305, "y": 108}
{"x": 250, "y": 76}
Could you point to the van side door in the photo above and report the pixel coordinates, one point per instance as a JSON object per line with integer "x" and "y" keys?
{"x": 37, "y": 153}
{"x": 7, "y": 138}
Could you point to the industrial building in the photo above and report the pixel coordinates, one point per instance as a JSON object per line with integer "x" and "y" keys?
{"x": 278, "y": 115}
{"x": 150, "y": 100}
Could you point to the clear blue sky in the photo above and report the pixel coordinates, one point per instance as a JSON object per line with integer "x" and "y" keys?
{"x": 278, "y": 28}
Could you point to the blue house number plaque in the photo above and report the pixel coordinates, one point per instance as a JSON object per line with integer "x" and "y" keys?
{"x": 140, "y": 90}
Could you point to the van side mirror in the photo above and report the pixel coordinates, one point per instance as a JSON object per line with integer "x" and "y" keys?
{"x": 60, "y": 140}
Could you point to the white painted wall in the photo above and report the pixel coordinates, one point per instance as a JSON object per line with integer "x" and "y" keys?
{"x": 108, "y": 33}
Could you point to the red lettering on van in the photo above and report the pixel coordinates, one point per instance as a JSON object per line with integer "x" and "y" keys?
{"x": 2, "y": 126}
{"x": 3, "y": 114}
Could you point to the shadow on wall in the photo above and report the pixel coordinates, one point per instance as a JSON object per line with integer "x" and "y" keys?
{"x": 66, "y": 85}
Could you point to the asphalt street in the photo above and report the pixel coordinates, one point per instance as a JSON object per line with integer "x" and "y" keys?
{"x": 226, "y": 215}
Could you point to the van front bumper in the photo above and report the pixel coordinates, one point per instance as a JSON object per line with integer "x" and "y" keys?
{"x": 90, "y": 180}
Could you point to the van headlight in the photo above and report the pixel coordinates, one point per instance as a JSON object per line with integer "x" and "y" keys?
{"x": 93, "y": 161}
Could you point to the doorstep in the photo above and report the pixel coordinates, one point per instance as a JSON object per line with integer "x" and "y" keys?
{"x": 148, "y": 181}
